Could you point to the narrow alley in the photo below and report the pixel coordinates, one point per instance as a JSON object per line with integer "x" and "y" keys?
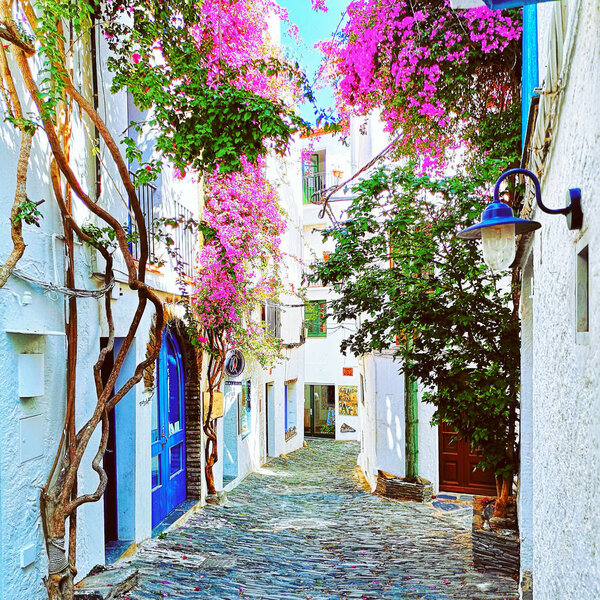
{"x": 303, "y": 527}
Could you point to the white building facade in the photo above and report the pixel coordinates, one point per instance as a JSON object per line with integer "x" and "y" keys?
{"x": 560, "y": 304}
{"x": 330, "y": 395}
{"x": 33, "y": 360}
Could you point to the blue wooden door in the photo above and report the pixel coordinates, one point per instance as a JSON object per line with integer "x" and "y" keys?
{"x": 168, "y": 431}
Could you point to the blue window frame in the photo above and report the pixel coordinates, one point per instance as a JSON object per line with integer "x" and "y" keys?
{"x": 245, "y": 407}
{"x": 285, "y": 400}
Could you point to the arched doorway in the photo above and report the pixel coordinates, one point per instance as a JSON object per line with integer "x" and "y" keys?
{"x": 168, "y": 430}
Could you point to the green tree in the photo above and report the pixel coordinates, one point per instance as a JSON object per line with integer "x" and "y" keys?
{"x": 421, "y": 291}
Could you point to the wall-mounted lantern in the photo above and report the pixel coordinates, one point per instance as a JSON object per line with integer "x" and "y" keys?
{"x": 498, "y": 225}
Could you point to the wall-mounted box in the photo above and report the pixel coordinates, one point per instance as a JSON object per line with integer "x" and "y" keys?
{"x": 31, "y": 437}
{"x": 31, "y": 375}
{"x": 28, "y": 555}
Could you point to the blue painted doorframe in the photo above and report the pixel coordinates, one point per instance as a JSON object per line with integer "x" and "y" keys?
{"x": 168, "y": 431}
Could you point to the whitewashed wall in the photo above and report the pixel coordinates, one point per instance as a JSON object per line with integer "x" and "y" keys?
{"x": 21, "y": 480}
{"x": 561, "y": 367}
{"x": 32, "y": 426}
{"x": 285, "y": 173}
{"x": 383, "y": 423}
{"x": 250, "y": 452}
{"x": 324, "y": 362}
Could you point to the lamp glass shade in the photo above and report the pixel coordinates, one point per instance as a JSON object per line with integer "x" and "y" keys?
{"x": 498, "y": 245}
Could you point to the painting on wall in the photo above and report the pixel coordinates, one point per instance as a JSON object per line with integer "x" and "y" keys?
{"x": 348, "y": 400}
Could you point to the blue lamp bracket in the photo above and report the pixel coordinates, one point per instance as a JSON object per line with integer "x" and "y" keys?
{"x": 572, "y": 211}
{"x": 501, "y": 4}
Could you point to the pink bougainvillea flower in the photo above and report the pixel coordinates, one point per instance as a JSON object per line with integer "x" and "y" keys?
{"x": 136, "y": 57}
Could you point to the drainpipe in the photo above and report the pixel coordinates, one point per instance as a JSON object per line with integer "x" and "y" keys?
{"x": 411, "y": 412}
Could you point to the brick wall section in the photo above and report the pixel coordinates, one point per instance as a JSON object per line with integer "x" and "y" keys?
{"x": 193, "y": 437}
{"x": 193, "y": 421}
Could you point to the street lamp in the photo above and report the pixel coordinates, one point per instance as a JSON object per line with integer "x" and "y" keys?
{"x": 498, "y": 225}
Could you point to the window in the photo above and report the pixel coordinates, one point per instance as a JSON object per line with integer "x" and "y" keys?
{"x": 185, "y": 239}
{"x": 272, "y": 318}
{"x": 313, "y": 180}
{"x": 315, "y": 318}
{"x": 583, "y": 298}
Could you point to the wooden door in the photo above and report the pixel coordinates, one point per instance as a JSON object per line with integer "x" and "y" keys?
{"x": 457, "y": 466}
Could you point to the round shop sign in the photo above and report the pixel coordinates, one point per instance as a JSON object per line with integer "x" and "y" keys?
{"x": 234, "y": 363}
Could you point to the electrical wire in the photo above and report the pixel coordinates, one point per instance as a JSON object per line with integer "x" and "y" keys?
{"x": 328, "y": 193}
{"x": 74, "y": 292}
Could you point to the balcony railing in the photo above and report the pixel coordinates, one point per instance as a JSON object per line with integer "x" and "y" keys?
{"x": 146, "y": 195}
{"x": 312, "y": 186}
{"x": 184, "y": 236}
{"x": 185, "y": 239}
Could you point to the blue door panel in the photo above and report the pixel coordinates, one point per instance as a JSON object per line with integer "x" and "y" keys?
{"x": 168, "y": 440}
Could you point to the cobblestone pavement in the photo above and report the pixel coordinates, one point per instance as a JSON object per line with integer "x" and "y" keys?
{"x": 304, "y": 527}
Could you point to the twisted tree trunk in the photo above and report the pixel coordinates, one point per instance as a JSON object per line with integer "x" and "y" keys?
{"x": 59, "y": 499}
{"x": 216, "y": 370}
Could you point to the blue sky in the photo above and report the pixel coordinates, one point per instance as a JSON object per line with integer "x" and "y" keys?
{"x": 313, "y": 26}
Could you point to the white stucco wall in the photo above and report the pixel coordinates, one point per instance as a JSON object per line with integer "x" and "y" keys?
{"x": 324, "y": 360}
{"x": 268, "y": 417}
{"x": 429, "y": 465}
{"x": 561, "y": 367}
{"x": 286, "y": 175}
{"x": 383, "y": 424}
{"x": 25, "y": 308}
{"x": 325, "y": 364}
{"x": 21, "y": 481}
{"x": 367, "y": 458}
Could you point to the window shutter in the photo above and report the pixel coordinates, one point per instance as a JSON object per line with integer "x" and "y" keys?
{"x": 315, "y": 317}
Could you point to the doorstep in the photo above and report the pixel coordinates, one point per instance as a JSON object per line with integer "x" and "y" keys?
{"x": 177, "y": 516}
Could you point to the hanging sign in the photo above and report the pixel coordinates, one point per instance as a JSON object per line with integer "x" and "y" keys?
{"x": 234, "y": 363}
{"x": 347, "y": 371}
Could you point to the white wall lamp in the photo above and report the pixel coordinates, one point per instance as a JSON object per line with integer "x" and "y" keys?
{"x": 498, "y": 225}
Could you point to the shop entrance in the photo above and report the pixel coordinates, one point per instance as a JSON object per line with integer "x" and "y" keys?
{"x": 319, "y": 410}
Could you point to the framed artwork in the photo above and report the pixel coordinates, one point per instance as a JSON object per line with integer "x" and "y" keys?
{"x": 348, "y": 400}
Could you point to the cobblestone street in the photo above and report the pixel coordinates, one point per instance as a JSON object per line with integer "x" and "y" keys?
{"x": 304, "y": 527}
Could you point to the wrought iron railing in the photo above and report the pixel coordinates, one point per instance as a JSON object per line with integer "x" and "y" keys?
{"x": 183, "y": 235}
{"x": 146, "y": 195}
{"x": 312, "y": 186}
{"x": 185, "y": 239}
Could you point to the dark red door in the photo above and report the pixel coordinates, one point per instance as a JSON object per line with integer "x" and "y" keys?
{"x": 457, "y": 466}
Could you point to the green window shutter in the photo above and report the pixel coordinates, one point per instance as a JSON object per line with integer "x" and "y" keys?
{"x": 315, "y": 318}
